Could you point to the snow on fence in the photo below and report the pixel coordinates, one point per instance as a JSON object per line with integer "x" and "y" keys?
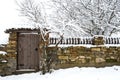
{"x": 74, "y": 41}
{"x": 83, "y": 40}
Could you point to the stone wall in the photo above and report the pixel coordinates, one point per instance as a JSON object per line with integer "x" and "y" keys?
{"x": 80, "y": 56}
{"x": 7, "y": 64}
{"x": 83, "y": 56}
{"x": 12, "y": 44}
{"x": 98, "y": 40}
{"x": 65, "y": 56}
{"x": 8, "y": 61}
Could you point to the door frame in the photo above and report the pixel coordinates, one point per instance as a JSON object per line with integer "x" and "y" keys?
{"x": 36, "y": 67}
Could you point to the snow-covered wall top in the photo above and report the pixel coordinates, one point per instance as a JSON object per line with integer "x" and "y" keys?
{"x": 85, "y": 41}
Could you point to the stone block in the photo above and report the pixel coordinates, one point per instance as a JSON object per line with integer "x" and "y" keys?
{"x": 63, "y": 57}
{"x": 13, "y": 46}
{"x": 82, "y": 61}
{"x": 112, "y": 57}
{"x": 98, "y": 40}
{"x": 112, "y": 48}
{"x": 13, "y": 34}
{"x": 100, "y": 60}
{"x": 82, "y": 57}
{"x": 12, "y": 42}
{"x": 95, "y": 49}
{"x": 73, "y": 58}
{"x": 103, "y": 49}
{"x": 88, "y": 57}
{"x": 13, "y": 38}
{"x": 11, "y": 51}
{"x": 59, "y": 50}
{"x": 67, "y": 51}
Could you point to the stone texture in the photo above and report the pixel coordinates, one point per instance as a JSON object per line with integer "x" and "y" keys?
{"x": 100, "y": 60}
{"x": 63, "y": 57}
{"x": 82, "y": 56}
{"x": 95, "y": 49}
{"x": 7, "y": 64}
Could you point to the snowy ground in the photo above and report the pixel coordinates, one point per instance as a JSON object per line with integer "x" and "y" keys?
{"x": 90, "y": 73}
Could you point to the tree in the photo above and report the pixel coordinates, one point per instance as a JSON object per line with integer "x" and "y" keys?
{"x": 32, "y": 11}
{"x": 35, "y": 13}
{"x": 90, "y": 17}
{"x": 76, "y": 18}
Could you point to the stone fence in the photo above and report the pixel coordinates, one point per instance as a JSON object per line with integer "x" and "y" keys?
{"x": 83, "y": 56}
{"x": 102, "y": 51}
{"x": 7, "y": 64}
{"x": 97, "y": 55}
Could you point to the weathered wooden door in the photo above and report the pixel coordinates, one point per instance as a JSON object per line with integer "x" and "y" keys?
{"x": 28, "y": 56}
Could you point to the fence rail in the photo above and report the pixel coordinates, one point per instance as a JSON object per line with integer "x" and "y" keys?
{"x": 110, "y": 40}
{"x": 88, "y": 40}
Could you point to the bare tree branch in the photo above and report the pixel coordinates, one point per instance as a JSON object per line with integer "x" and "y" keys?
{"x": 96, "y": 17}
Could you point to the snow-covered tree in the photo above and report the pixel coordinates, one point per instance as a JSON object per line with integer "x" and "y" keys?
{"x": 35, "y": 12}
{"x": 87, "y": 17}
{"x": 32, "y": 11}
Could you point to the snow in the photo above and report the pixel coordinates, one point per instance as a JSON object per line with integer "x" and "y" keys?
{"x": 72, "y": 45}
{"x": 4, "y": 61}
{"x": 86, "y": 45}
{"x": 75, "y": 73}
{"x": 2, "y": 52}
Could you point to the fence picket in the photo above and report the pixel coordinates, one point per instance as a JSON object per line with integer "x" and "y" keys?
{"x": 76, "y": 41}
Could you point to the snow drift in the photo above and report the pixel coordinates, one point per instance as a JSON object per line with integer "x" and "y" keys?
{"x": 84, "y": 73}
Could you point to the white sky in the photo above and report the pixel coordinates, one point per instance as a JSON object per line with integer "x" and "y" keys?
{"x": 9, "y": 18}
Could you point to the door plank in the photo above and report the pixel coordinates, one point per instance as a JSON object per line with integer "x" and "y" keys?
{"x": 28, "y": 56}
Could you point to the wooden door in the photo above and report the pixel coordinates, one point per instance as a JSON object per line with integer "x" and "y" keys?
{"x": 28, "y": 56}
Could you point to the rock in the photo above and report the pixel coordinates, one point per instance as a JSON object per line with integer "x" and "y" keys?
{"x": 112, "y": 57}
{"x": 100, "y": 60}
{"x": 73, "y": 58}
{"x": 63, "y": 57}
{"x": 82, "y": 57}
{"x": 67, "y": 51}
{"x": 89, "y": 58}
{"x": 95, "y": 49}
{"x": 82, "y": 61}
